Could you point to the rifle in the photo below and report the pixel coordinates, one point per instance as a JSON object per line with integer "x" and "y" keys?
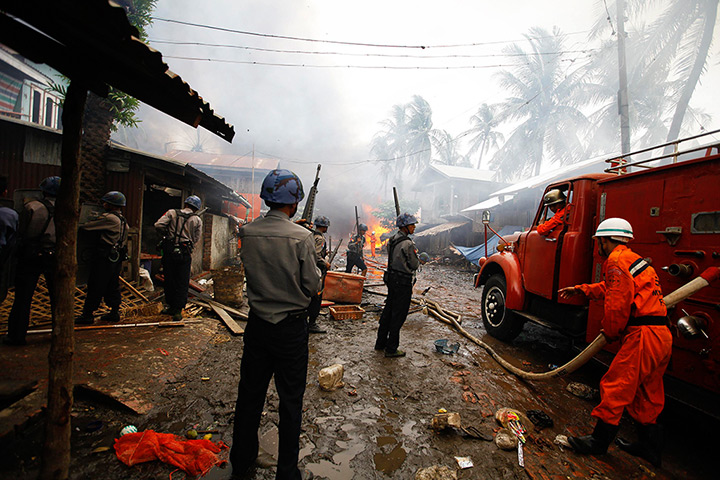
{"x": 357, "y": 221}
{"x": 310, "y": 203}
{"x": 334, "y": 252}
{"x": 397, "y": 202}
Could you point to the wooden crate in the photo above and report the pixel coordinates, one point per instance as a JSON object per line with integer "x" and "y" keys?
{"x": 346, "y": 312}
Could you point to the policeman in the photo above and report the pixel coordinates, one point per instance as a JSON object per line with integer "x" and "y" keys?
{"x": 108, "y": 254}
{"x": 355, "y": 251}
{"x": 9, "y": 223}
{"x": 403, "y": 262}
{"x": 180, "y": 230}
{"x": 555, "y": 200}
{"x": 36, "y": 255}
{"x": 635, "y": 314}
{"x": 282, "y": 276}
{"x": 321, "y": 226}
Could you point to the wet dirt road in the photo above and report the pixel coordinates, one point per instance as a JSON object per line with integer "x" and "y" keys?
{"x": 378, "y": 425}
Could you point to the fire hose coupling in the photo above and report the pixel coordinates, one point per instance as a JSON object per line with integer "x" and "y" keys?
{"x": 682, "y": 270}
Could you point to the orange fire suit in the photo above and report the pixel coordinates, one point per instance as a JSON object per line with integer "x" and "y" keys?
{"x": 636, "y": 314}
{"x": 373, "y": 240}
{"x": 557, "y": 220}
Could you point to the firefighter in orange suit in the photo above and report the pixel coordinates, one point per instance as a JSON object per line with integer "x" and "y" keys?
{"x": 636, "y": 315}
{"x": 555, "y": 200}
{"x": 373, "y": 241}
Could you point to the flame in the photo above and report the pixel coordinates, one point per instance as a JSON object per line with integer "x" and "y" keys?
{"x": 373, "y": 226}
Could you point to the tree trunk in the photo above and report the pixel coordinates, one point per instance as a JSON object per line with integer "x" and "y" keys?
{"x": 96, "y": 127}
{"x": 482, "y": 149}
{"x": 695, "y": 73}
{"x": 56, "y": 447}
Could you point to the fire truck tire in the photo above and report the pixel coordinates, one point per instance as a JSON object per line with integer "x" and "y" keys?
{"x": 499, "y": 322}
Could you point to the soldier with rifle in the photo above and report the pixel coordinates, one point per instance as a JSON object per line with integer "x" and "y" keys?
{"x": 323, "y": 263}
{"x": 355, "y": 248}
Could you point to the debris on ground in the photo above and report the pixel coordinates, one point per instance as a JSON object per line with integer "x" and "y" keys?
{"x": 441, "y": 421}
{"x": 436, "y": 472}
{"x": 583, "y": 391}
{"x": 330, "y": 378}
{"x": 464, "y": 462}
{"x": 506, "y": 440}
{"x": 540, "y": 419}
{"x": 562, "y": 440}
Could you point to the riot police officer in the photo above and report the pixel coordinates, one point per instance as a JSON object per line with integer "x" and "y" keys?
{"x": 355, "y": 251}
{"x": 321, "y": 226}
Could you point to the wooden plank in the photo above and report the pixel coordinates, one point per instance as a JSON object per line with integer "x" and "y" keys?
{"x": 207, "y": 301}
{"x": 231, "y": 324}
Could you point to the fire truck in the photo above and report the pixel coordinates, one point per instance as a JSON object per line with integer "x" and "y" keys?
{"x": 674, "y": 210}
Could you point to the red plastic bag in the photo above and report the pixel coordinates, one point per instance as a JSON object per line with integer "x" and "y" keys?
{"x": 194, "y": 457}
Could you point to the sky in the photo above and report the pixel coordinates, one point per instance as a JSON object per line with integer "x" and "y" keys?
{"x": 322, "y": 108}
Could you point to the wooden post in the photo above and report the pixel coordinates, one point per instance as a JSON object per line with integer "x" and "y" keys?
{"x": 56, "y": 447}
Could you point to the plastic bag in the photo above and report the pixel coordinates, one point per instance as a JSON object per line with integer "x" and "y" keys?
{"x": 330, "y": 378}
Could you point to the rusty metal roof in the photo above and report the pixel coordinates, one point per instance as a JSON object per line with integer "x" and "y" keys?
{"x": 92, "y": 41}
{"x": 224, "y": 161}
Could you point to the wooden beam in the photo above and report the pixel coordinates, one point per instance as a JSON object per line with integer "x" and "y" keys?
{"x": 231, "y": 324}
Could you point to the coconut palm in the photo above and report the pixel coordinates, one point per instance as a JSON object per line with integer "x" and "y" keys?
{"x": 484, "y": 135}
{"x": 546, "y": 98}
{"x": 419, "y": 133}
{"x": 445, "y": 148}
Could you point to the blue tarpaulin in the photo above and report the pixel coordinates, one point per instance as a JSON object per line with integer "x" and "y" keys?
{"x": 473, "y": 254}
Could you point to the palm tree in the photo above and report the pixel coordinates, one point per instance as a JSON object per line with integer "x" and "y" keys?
{"x": 483, "y": 131}
{"x": 546, "y": 100}
{"x": 445, "y": 148}
{"x": 419, "y": 131}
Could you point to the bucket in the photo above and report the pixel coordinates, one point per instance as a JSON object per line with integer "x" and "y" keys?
{"x": 343, "y": 287}
{"x": 228, "y": 285}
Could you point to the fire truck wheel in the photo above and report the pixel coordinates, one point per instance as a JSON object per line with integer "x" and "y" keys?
{"x": 499, "y": 322}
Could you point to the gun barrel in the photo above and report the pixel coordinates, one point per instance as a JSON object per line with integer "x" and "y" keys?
{"x": 397, "y": 202}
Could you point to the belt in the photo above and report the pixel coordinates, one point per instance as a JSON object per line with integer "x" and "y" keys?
{"x": 648, "y": 320}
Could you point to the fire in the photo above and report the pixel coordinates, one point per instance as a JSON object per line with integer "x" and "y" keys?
{"x": 373, "y": 226}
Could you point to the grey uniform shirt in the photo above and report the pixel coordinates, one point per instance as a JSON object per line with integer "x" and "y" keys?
{"x": 321, "y": 248}
{"x": 190, "y": 231}
{"x": 110, "y": 228}
{"x": 280, "y": 266}
{"x": 32, "y": 220}
{"x": 404, "y": 256}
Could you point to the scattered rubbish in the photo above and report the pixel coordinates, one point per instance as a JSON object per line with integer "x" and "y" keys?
{"x": 192, "y": 434}
{"x": 442, "y": 346}
{"x": 204, "y": 379}
{"x": 346, "y": 312}
{"x": 330, "y": 378}
{"x": 208, "y": 431}
{"x": 442, "y": 410}
{"x": 521, "y": 455}
{"x": 540, "y": 419}
{"x": 464, "y": 462}
{"x": 207, "y": 436}
{"x": 505, "y": 415}
{"x": 506, "y": 440}
{"x": 94, "y": 426}
{"x": 562, "y": 440}
{"x": 436, "y": 472}
{"x": 552, "y": 366}
{"x": 145, "y": 280}
{"x": 128, "y": 429}
{"x": 100, "y": 449}
{"x": 475, "y": 432}
{"x": 352, "y": 393}
{"x": 163, "y": 351}
{"x": 441, "y": 421}
{"x": 582, "y": 390}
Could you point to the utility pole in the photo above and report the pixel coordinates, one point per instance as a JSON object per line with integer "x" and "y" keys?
{"x": 252, "y": 186}
{"x": 622, "y": 92}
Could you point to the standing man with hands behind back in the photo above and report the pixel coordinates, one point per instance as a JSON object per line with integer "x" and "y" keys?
{"x": 181, "y": 230}
{"x": 282, "y": 276}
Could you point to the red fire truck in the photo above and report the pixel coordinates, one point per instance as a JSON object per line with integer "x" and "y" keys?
{"x": 675, "y": 213}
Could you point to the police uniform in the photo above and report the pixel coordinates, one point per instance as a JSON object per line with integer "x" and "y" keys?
{"x": 9, "y": 223}
{"x": 108, "y": 253}
{"x": 36, "y": 256}
{"x": 403, "y": 262}
{"x": 282, "y": 276}
{"x": 355, "y": 253}
{"x": 181, "y": 230}
{"x": 322, "y": 258}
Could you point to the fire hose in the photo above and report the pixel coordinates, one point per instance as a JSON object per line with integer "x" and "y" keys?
{"x": 706, "y": 278}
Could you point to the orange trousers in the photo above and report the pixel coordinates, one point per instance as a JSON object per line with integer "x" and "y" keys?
{"x": 635, "y": 377}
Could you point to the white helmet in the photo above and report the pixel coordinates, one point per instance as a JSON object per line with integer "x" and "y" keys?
{"x": 617, "y": 229}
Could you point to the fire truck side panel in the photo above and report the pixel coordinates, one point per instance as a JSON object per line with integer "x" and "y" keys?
{"x": 675, "y": 214}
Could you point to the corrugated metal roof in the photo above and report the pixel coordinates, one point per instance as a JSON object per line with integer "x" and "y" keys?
{"x": 223, "y": 160}
{"x": 443, "y": 227}
{"x": 464, "y": 173}
{"x": 93, "y": 41}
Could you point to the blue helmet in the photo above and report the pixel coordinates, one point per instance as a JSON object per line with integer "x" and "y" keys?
{"x": 424, "y": 257}
{"x": 322, "y": 221}
{"x": 405, "y": 219}
{"x": 114, "y": 198}
{"x": 194, "y": 201}
{"x": 50, "y": 186}
{"x": 282, "y": 186}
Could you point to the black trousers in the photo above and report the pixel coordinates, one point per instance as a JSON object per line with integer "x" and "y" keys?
{"x": 103, "y": 283}
{"x": 271, "y": 349}
{"x": 353, "y": 259}
{"x": 177, "y": 278}
{"x": 29, "y": 269}
{"x": 394, "y": 314}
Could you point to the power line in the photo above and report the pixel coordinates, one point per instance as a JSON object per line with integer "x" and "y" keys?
{"x": 338, "y": 42}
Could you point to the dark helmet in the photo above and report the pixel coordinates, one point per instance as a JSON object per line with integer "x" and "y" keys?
{"x": 114, "y": 198}
{"x": 194, "y": 201}
{"x": 322, "y": 221}
{"x": 405, "y": 219}
{"x": 282, "y": 186}
{"x": 50, "y": 186}
{"x": 553, "y": 196}
{"x": 362, "y": 227}
{"x": 424, "y": 257}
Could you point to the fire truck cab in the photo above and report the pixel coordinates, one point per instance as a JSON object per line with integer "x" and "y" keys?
{"x": 675, "y": 213}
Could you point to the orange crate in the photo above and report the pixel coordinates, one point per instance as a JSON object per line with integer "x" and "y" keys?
{"x": 346, "y": 312}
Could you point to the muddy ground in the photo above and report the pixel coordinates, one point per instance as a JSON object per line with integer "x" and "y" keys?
{"x": 378, "y": 425}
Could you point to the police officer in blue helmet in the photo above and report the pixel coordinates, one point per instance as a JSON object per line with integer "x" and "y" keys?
{"x": 282, "y": 277}
{"x": 399, "y": 277}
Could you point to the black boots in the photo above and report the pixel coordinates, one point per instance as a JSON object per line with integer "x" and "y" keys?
{"x": 649, "y": 445}
{"x": 113, "y": 316}
{"x": 598, "y": 442}
{"x": 313, "y": 327}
